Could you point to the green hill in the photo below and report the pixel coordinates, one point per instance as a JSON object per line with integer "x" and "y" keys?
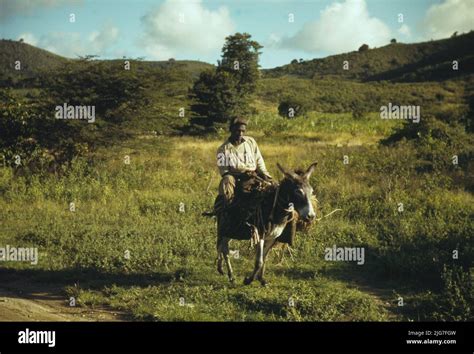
{"x": 320, "y": 85}
{"x": 191, "y": 68}
{"x": 32, "y": 59}
{"x": 427, "y": 61}
{"x": 36, "y": 60}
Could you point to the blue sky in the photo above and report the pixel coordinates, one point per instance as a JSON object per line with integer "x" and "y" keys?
{"x": 196, "y": 29}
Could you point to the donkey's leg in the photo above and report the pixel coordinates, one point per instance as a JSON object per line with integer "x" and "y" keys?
{"x": 268, "y": 246}
{"x": 220, "y": 256}
{"x": 224, "y": 254}
{"x": 230, "y": 272}
{"x": 258, "y": 262}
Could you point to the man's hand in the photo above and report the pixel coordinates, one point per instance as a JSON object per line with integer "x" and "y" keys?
{"x": 268, "y": 178}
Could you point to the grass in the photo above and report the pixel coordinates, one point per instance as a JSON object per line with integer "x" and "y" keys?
{"x": 325, "y": 128}
{"x": 127, "y": 246}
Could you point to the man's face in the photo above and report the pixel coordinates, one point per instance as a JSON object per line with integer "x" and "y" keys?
{"x": 237, "y": 132}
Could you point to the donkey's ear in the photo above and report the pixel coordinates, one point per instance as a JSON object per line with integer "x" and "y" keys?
{"x": 310, "y": 170}
{"x": 285, "y": 172}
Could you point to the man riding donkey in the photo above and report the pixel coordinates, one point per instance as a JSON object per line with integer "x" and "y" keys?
{"x": 251, "y": 206}
{"x": 237, "y": 158}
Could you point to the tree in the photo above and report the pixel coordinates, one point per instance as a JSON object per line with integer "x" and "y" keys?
{"x": 216, "y": 97}
{"x": 30, "y": 133}
{"x": 294, "y": 61}
{"x": 108, "y": 87}
{"x": 393, "y": 40}
{"x": 240, "y": 59}
{"x": 221, "y": 94}
{"x": 363, "y": 48}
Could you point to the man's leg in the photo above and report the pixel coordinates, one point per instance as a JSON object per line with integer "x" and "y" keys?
{"x": 226, "y": 188}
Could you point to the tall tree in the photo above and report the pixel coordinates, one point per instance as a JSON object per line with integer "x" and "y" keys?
{"x": 226, "y": 92}
{"x": 240, "y": 58}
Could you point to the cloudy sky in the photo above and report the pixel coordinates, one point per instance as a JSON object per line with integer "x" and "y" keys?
{"x": 196, "y": 29}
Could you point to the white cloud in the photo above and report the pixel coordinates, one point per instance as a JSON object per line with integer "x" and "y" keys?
{"x": 10, "y": 8}
{"x": 442, "y": 20}
{"x": 28, "y": 38}
{"x": 101, "y": 40}
{"x": 184, "y": 26}
{"x": 273, "y": 41}
{"x": 71, "y": 44}
{"x": 405, "y": 30}
{"x": 67, "y": 44}
{"x": 342, "y": 26}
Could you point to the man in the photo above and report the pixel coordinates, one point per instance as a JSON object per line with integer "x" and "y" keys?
{"x": 238, "y": 155}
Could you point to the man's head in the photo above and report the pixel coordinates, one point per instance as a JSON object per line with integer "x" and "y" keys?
{"x": 237, "y": 128}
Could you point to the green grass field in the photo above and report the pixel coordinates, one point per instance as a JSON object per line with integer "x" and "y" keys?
{"x": 129, "y": 245}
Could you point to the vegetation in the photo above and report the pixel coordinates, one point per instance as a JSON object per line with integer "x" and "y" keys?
{"x": 136, "y": 241}
{"x": 228, "y": 91}
{"x": 292, "y": 106}
{"x": 428, "y": 61}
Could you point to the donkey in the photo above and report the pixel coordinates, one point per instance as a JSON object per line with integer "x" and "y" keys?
{"x": 289, "y": 200}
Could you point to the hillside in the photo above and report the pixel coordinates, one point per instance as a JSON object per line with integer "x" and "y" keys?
{"x": 320, "y": 84}
{"x": 190, "y": 68}
{"x": 426, "y": 61}
{"x": 35, "y": 60}
{"x": 32, "y": 59}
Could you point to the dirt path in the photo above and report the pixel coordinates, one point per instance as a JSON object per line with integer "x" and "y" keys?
{"x": 383, "y": 296}
{"x": 46, "y": 304}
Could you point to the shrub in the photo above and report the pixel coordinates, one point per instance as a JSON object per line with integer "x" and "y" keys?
{"x": 358, "y": 109}
{"x": 292, "y": 106}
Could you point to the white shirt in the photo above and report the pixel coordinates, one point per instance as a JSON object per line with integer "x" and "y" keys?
{"x": 241, "y": 158}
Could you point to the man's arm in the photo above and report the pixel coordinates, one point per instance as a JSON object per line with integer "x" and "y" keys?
{"x": 222, "y": 163}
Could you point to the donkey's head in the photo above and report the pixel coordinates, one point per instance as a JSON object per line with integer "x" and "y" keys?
{"x": 296, "y": 189}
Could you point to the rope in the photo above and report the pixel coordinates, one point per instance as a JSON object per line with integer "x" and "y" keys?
{"x": 274, "y": 203}
{"x": 322, "y": 217}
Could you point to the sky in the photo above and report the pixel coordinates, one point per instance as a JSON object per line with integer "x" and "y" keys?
{"x": 196, "y": 29}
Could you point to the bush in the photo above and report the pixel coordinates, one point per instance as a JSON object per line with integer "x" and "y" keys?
{"x": 32, "y": 141}
{"x": 436, "y": 142}
{"x": 97, "y": 83}
{"x": 457, "y": 296}
{"x": 358, "y": 109}
{"x": 292, "y": 106}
